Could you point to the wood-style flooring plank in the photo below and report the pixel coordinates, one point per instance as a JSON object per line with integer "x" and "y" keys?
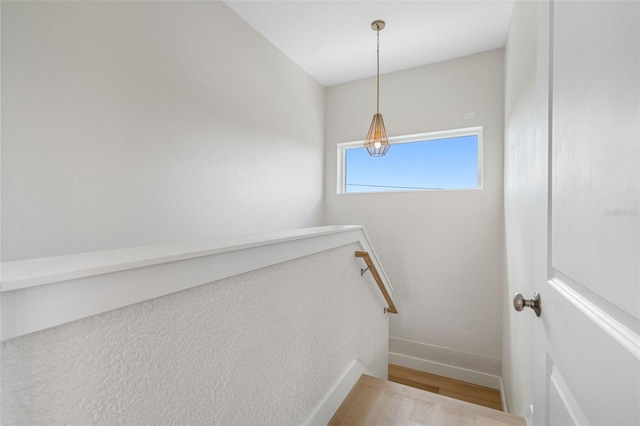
{"x": 472, "y": 399}
{"x": 414, "y": 384}
{"x": 469, "y": 392}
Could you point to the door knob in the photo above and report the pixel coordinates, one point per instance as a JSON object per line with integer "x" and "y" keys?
{"x": 519, "y": 303}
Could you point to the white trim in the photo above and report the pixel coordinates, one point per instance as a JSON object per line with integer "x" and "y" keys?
{"x": 440, "y": 134}
{"x": 528, "y": 417}
{"x": 43, "y": 293}
{"x": 418, "y": 137}
{"x": 443, "y": 355}
{"x": 621, "y": 334}
{"x": 568, "y": 400}
{"x": 450, "y": 371}
{"x": 326, "y": 408}
{"x": 341, "y": 167}
{"x": 504, "y": 398}
{"x": 32, "y": 272}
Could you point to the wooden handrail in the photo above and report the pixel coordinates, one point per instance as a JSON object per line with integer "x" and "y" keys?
{"x": 370, "y": 266}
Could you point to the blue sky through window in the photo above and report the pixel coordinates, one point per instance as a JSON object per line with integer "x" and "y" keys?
{"x": 448, "y": 163}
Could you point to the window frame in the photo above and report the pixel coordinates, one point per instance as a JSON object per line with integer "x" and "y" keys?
{"x": 418, "y": 137}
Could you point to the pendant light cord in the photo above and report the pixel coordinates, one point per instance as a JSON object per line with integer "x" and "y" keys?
{"x": 378, "y": 74}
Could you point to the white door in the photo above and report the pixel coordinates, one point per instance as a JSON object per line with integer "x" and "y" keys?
{"x": 587, "y": 340}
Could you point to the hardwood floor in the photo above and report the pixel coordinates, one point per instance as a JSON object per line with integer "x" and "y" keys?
{"x": 463, "y": 391}
{"x": 375, "y": 401}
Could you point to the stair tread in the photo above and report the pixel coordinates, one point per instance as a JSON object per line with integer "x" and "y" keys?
{"x": 374, "y": 401}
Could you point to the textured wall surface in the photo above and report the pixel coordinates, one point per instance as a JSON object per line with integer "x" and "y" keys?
{"x": 135, "y": 123}
{"x": 258, "y": 348}
{"x": 442, "y": 250}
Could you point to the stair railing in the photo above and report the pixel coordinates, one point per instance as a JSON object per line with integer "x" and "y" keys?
{"x": 376, "y": 276}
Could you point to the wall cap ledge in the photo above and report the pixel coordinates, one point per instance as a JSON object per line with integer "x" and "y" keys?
{"x": 46, "y": 292}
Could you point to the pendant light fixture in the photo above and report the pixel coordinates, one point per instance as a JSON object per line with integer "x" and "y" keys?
{"x": 377, "y": 142}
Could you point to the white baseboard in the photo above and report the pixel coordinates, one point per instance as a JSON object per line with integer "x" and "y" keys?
{"x": 528, "y": 416}
{"x": 453, "y": 372}
{"x": 503, "y": 397}
{"x": 332, "y": 400}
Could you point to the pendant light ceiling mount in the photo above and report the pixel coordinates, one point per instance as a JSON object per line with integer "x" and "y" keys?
{"x": 377, "y": 142}
{"x": 377, "y": 25}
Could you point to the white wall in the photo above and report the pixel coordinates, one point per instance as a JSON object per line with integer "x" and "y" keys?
{"x": 131, "y": 123}
{"x": 263, "y": 347}
{"x": 443, "y": 251}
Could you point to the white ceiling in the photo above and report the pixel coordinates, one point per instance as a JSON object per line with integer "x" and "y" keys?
{"x": 333, "y": 40}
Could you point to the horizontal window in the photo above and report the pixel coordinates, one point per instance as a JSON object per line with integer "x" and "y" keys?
{"x": 447, "y": 160}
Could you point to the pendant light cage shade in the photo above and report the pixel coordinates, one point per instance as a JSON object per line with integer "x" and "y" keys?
{"x": 377, "y": 142}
